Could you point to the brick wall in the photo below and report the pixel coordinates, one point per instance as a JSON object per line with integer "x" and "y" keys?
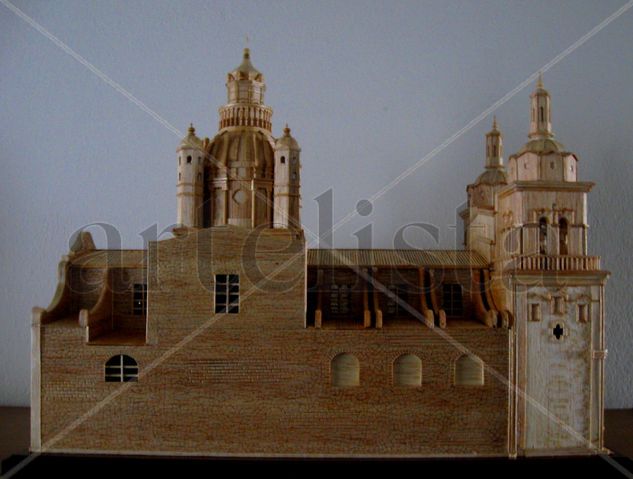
{"x": 259, "y": 382}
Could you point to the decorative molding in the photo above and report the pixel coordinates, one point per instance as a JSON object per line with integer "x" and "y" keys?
{"x": 557, "y": 326}
{"x": 559, "y": 306}
{"x": 535, "y": 312}
{"x": 600, "y": 354}
{"x": 583, "y": 313}
{"x": 546, "y": 297}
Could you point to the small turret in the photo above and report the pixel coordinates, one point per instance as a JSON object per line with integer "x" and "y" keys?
{"x": 540, "y": 120}
{"x": 287, "y": 182}
{"x": 479, "y": 216}
{"x": 190, "y": 180}
{"x": 495, "y": 174}
{"x": 494, "y": 147}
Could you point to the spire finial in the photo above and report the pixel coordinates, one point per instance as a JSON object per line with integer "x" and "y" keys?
{"x": 494, "y": 122}
{"x": 192, "y": 130}
{"x": 247, "y": 50}
{"x": 286, "y": 130}
{"x": 540, "y": 111}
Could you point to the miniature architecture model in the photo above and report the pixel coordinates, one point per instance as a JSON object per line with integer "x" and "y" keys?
{"x": 236, "y": 340}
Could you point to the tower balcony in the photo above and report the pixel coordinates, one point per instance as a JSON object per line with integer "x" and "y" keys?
{"x": 555, "y": 263}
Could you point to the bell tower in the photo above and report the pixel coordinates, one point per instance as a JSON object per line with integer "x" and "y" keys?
{"x": 556, "y": 293}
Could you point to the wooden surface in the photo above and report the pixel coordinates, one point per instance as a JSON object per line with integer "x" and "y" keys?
{"x": 14, "y": 431}
{"x": 619, "y": 431}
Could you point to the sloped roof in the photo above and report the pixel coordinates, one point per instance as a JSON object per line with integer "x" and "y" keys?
{"x": 112, "y": 258}
{"x": 493, "y": 176}
{"x": 542, "y": 146}
{"x": 396, "y": 257}
{"x": 318, "y": 257}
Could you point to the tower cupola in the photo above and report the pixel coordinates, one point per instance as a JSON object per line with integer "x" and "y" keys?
{"x": 540, "y": 111}
{"x": 245, "y": 98}
{"x": 494, "y": 147}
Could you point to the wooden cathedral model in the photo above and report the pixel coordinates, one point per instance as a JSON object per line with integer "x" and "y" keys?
{"x": 233, "y": 339}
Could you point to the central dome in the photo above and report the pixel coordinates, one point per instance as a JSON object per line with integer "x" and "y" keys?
{"x": 243, "y": 148}
{"x": 237, "y": 183}
{"x": 241, "y": 163}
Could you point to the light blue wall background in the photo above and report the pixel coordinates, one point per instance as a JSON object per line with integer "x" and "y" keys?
{"x": 369, "y": 88}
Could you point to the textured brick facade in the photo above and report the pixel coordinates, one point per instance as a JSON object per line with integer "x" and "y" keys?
{"x": 509, "y": 333}
{"x": 258, "y": 382}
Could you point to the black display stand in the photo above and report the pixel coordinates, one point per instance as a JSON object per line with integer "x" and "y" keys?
{"x": 54, "y": 465}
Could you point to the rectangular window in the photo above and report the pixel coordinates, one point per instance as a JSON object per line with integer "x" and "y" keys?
{"x": 227, "y": 293}
{"x": 394, "y": 304}
{"x": 139, "y": 300}
{"x": 452, "y": 299}
{"x": 339, "y": 299}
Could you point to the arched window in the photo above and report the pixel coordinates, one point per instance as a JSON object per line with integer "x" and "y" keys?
{"x": 542, "y": 235}
{"x": 563, "y": 235}
{"x": 345, "y": 370}
{"x": 542, "y": 114}
{"x": 469, "y": 371}
{"x": 121, "y": 368}
{"x": 407, "y": 370}
{"x": 189, "y": 159}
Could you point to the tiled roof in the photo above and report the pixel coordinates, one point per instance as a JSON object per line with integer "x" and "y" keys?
{"x": 100, "y": 258}
{"x": 396, "y": 257}
{"x": 319, "y": 257}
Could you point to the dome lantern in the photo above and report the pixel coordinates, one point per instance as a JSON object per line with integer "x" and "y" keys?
{"x": 245, "y": 106}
